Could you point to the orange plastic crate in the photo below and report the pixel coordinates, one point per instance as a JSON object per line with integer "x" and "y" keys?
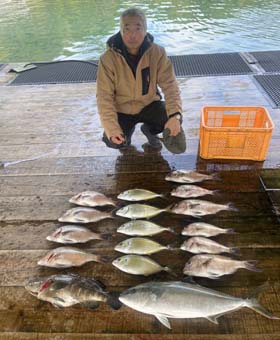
{"x": 235, "y": 132}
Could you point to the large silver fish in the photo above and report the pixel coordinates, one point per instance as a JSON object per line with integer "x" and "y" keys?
{"x": 136, "y": 211}
{"x": 187, "y": 191}
{"x": 142, "y": 228}
{"x": 135, "y": 195}
{"x": 198, "y": 208}
{"x": 188, "y": 176}
{"x": 138, "y": 265}
{"x": 205, "y": 229}
{"x": 72, "y": 289}
{"x": 140, "y": 246}
{"x": 215, "y": 266}
{"x": 70, "y": 234}
{"x": 199, "y": 244}
{"x": 84, "y": 215}
{"x": 184, "y": 300}
{"x": 65, "y": 257}
{"x": 91, "y": 199}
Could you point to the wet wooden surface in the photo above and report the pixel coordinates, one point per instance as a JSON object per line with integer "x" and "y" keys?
{"x": 50, "y": 150}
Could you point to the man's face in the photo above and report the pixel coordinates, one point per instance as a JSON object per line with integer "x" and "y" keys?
{"x": 133, "y": 33}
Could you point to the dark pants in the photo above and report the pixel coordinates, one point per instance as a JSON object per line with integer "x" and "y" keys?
{"x": 154, "y": 115}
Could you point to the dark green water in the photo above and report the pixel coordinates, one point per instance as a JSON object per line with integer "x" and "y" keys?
{"x": 43, "y": 30}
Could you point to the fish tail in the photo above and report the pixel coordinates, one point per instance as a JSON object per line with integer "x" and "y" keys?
{"x": 215, "y": 176}
{"x": 213, "y": 192}
{"x": 230, "y": 231}
{"x": 231, "y": 207}
{"x": 234, "y": 251}
{"x": 172, "y": 231}
{"x": 169, "y": 208}
{"x": 113, "y": 300}
{"x": 105, "y": 236}
{"x": 254, "y": 304}
{"x": 102, "y": 259}
{"x": 170, "y": 271}
{"x": 251, "y": 265}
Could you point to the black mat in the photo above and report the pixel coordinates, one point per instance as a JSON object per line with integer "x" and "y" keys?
{"x": 269, "y": 60}
{"x": 210, "y": 65}
{"x": 271, "y": 85}
{"x": 68, "y": 71}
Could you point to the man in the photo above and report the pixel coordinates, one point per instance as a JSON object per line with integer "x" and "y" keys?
{"x": 129, "y": 74}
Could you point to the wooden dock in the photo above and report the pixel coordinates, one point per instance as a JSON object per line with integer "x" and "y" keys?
{"x": 51, "y": 149}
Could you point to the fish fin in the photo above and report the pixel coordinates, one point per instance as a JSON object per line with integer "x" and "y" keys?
{"x": 103, "y": 259}
{"x": 234, "y": 251}
{"x": 189, "y": 279}
{"x": 252, "y": 265}
{"x": 230, "y": 231}
{"x": 215, "y": 176}
{"x": 163, "y": 319}
{"x": 168, "y": 208}
{"x": 170, "y": 271}
{"x": 230, "y": 206}
{"x": 105, "y": 236}
{"x": 90, "y": 304}
{"x": 253, "y": 303}
{"x": 172, "y": 231}
{"x": 58, "y": 303}
{"x": 113, "y": 300}
{"x": 213, "y": 318}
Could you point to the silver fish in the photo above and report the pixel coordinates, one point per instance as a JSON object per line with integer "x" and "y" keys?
{"x": 65, "y": 257}
{"x": 91, "y": 199}
{"x": 197, "y": 245}
{"x": 142, "y": 228}
{"x": 70, "y": 234}
{"x": 184, "y": 300}
{"x": 140, "y": 246}
{"x": 197, "y": 208}
{"x": 186, "y": 191}
{"x": 188, "y": 176}
{"x": 215, "y": 266}
{"x": 135, "y": 195}
{"x": 136, "y": 211}
{"x": 84, "y": 215}
{"x": 68, "y": 290}
{"x": 138, "y": 265}
{"x": 205, "y": 229}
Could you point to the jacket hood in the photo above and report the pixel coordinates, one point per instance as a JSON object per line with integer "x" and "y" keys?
{"x": 116, "y": 43}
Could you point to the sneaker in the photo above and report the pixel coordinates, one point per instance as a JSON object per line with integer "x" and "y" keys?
{"x": 153, "y": 141}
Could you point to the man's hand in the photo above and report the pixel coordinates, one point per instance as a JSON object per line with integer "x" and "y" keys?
{"x": 173, "y": 124}
{"x": 117, "y": 139}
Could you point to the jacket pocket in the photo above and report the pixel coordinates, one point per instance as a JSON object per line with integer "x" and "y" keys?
{"x": 145, "y": 80}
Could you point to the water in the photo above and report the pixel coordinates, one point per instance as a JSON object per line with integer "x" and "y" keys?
{"x": 43, "y": 30}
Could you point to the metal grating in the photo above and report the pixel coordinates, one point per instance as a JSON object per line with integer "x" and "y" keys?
{"x": 269, "y": 60}
{"x": 271, "y": 85}
{"x": 209, "y": 65}
{"x": 68, "y": 71}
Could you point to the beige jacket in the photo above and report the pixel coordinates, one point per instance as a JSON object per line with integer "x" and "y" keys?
{"x": 118, "y": 90}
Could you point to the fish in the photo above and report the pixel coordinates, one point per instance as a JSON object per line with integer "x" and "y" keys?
{"x": 182, "y": 300}
{"x": 142, "y": 228}
{"x": 215, "y": 266}
{"x": 34, "y": 284}
{"x": 140, "y": 246}
{"x": 70, "y": 234}
{"x": 138, "y": 265}
{"x": 67, "y": 290}
{"x": 198, "y": 244}
{"x": 135, "y": 195}
{"x": 137, "y": 211}
{"x": 189, "y": 176}
{"x": 65, "y": 257}
{"x": 84, "y": 215}
{"x": 91, "y": 199}
{"x": 187, "y": 191}
{"x": 205, "y": 229}
{"x": 198, "y": 208}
